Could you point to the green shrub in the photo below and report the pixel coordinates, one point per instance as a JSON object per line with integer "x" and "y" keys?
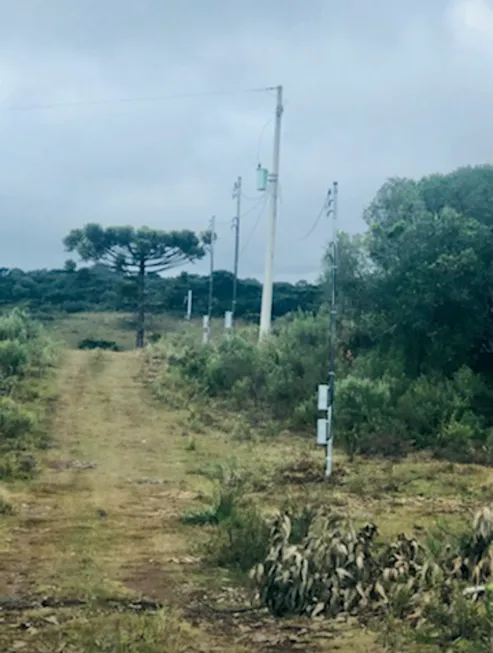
{"x": 91, "y": 343}
{"x": 241, "y": 540}
{"x": 229, "y": 487}
{"x": 456, "y": 441}
{"x": 241, "y": 430}
{"x": 441, "y": 414}
{"x": 222, "y": 509}
{"x": 279, "y": 379}
{"x": 363, "y": 410}
{"x": 14, "y": 357}
{"x": 15, "y": 420}
{"x": 458, "y": 626}
{"x": 389, "y": 415}
{"x": 232, "y": 360}
{"x": 24, "y": 348}
{"x": 25, "y": 356}
{"x": 16, "y": 325}
{"x": 17, "y": 464}
{"x": 241, "y": 535}
{"x": 378, "y": 409}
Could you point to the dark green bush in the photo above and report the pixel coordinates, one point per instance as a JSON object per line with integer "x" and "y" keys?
{"x": 91, "y": 343}
{"x": 378, "y": 409}
{"x": 363, "y": 411}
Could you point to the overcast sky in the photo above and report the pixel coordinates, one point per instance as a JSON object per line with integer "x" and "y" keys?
{"x": 373, "y": 89}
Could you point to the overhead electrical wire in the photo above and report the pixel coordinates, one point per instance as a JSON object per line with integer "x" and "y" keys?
{"x": 261, "y": 137}
{"x": 317, "y": 220}
{"x": 255, "y": 225}
{"x": 248, "y": 198}
{"x": 128, "y": 100}
{"x": 258, "y": 201}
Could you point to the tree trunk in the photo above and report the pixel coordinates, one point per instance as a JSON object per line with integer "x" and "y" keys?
{"x": 140, "y": 304}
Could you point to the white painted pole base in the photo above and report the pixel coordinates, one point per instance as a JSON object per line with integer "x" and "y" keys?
{"x": 328, "y": 460}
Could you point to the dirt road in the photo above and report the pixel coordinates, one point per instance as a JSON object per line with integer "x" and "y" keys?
{"x": 99, "y": 530}
{"x": 101, "y": 520}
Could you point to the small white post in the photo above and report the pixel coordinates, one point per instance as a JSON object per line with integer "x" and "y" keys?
{"x": 205, "y": 329}
{"x": 189, "y": 306}
{"x": 228, "y": 320}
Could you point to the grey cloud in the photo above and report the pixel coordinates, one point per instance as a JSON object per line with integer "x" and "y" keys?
{"x": 372, "y": 89}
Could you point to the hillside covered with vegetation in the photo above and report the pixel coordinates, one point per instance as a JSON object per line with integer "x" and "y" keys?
{"x": 98, "y": 287}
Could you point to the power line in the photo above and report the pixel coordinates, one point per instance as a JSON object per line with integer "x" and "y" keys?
{"x": 256, "y": 203}
{"x": 259, "y": 200}
{"x": 129, "y": 100}
{"x": 261, "y": 136}
{"x": 256, "y": 224}
{"x": 248, "y": 198}
{"x": 317, "y": 219}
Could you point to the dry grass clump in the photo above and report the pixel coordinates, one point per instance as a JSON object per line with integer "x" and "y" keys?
{"x": 340, "y": 569}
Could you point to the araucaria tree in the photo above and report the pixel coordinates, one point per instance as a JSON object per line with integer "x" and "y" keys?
{"x": 136, "y": 252}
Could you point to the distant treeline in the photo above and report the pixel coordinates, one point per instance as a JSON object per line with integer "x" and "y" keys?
{"x": 100, "y": 288}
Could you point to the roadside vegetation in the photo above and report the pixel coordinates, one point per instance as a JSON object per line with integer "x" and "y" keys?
{"x": 27, "y": 357}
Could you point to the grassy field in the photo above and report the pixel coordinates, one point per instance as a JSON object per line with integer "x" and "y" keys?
{"x": 103, "y": 524}
{"x": 119, "y": 328}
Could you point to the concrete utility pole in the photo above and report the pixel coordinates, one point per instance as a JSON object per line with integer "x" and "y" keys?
{"x": 236, "y": 226}
{"x": 211, "y": 276}
{"x": 266, "y": 310}
{"x": 332, "y": 209}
